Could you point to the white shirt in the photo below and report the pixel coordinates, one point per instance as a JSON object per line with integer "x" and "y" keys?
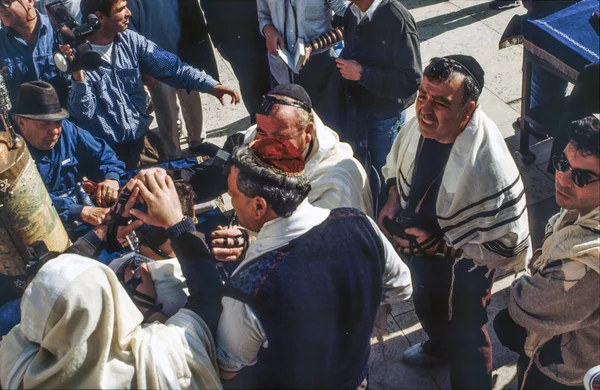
{"x": 240, "y": 334}
{"x": 105, "y": 51}
{"x": 360, "y": 15}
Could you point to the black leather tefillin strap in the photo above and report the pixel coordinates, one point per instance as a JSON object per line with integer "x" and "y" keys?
{"x": 117, "y": 220}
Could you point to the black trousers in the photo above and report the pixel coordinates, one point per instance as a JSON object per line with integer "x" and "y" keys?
{"x": 463, "y": 340}
{"x": 512, "y": 336}
{"x": 248, "y": 59}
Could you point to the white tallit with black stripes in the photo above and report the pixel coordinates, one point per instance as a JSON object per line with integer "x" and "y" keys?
{"x": 481, "y": 204}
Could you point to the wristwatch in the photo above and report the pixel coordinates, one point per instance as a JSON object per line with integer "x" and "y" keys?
{"x": 185, "y": 225}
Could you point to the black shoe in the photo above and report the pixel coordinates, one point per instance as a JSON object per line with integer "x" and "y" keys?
{"x": 501, "y": 5}
{"x": 205, "y": 149}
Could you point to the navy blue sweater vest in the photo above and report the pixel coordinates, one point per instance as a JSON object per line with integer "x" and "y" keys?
{"x": 317, "y": 299}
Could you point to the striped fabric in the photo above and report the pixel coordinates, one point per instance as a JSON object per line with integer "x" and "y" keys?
{"x": 481, "y": 205}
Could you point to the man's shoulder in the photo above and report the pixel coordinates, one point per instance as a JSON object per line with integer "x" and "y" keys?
{"x": 72, "y": 131}
{"x": 128, "y": 37}
{"x": 397, "y": 10}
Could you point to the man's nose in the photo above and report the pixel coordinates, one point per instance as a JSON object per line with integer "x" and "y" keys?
{"x": 54, "y": 131}
{"x": 564, "y": 178}
{"x": 427, "y": 107}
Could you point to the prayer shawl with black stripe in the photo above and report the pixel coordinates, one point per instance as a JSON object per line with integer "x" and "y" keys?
{"x": 481, "y": 205}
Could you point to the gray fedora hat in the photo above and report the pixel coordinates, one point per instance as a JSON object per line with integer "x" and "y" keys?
{"x": 37, "y": 100}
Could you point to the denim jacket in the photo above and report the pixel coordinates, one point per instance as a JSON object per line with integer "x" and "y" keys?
{"x": 26, "y": 63}
{"x": 111, "y": 102}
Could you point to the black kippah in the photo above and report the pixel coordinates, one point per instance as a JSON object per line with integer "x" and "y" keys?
{"x": 293, "y": 91}
{"x": 471, "y": 67}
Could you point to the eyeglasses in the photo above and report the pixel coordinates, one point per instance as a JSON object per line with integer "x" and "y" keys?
{"x": 580, "y": 177}
{"x": 6, "y": 4}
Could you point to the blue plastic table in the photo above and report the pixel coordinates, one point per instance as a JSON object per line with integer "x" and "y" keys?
{"x": 562, "y": 43}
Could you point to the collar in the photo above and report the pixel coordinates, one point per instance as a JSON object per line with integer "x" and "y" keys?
{"x": 368, "y": 14}
{"x": 280, "y": 231}
{"x": 42, "y": 26}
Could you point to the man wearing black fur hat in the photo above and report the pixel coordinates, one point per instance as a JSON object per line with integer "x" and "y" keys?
{"x": 456, "y": 210}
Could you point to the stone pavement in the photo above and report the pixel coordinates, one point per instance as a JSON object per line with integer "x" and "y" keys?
{"x": 445, "y": 27}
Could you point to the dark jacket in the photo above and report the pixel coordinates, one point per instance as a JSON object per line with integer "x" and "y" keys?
{"x": 194, "y": 45}
{"x": 388, "y": 49}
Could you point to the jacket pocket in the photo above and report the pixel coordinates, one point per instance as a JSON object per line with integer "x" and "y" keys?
{"x": 130, "y": 79}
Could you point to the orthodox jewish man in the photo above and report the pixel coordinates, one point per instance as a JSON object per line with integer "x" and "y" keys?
{"x": 299, "y": 310}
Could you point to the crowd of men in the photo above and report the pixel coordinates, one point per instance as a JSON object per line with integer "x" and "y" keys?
{"x": 341, "y": 206}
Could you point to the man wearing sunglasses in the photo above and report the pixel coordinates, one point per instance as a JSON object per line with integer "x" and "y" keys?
{"x": 26, "y": 47}
{"x": 552, "y": 319}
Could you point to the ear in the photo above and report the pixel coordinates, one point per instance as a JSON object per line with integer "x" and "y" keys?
{"x": 100, "y": 17}
{"x": 308, "y": 132}
{"x": 468, "y": 111}
{"x": 19, "y": 121}
{"x": 260, "y": 208}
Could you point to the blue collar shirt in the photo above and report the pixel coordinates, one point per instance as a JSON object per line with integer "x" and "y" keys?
{"x": 27, "y": 63}
{"x": 111, "y": 102}
{"x": 76, "y": 154}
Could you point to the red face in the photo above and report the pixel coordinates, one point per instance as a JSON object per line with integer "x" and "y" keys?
{"x": 440, "y": 112}
{"x": 282, "y": 123}
{"x": 568, "y": 195}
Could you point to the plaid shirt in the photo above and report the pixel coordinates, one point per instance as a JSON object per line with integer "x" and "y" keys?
{"x": 111, "y": 102}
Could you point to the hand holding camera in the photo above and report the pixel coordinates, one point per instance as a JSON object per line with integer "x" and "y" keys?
{"x": 158, "y": 192}
{"x": 76, "y": 52}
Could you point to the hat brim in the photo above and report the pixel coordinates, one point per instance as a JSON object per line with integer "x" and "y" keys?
{"x": 57, "y": 116}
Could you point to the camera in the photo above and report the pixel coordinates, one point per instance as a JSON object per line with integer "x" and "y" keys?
{"x": 397, "y": 226}
{"x": 68, "y": 31}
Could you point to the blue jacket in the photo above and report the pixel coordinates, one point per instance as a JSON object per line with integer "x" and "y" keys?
{"x": 30, "y": 64}
{"x": 76, "y": 154}
{"x": 111, "y": 102}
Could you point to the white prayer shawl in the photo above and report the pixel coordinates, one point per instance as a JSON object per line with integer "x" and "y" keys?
{"x": 281, "y": 231}
{"x": 481, "y": 205}
{"x": 169, "y": 283}
{"x": 337, "y": 179}
{"x": 80, "y": 329}
{"x": 574, "y": 237}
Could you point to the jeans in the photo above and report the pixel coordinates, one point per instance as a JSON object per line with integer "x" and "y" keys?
{"x": 10, "y": 316}
{"x": 545, "y": 87}
{"x": 381, "y": 136}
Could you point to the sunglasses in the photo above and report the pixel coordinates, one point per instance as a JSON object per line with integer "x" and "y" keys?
{"x": 6, "y": 4}
{"x": 580, "y": 177}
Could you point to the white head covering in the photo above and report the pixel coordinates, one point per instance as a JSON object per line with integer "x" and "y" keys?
{"x": 169, "y": 283}
{"x": 79, "y": 329}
